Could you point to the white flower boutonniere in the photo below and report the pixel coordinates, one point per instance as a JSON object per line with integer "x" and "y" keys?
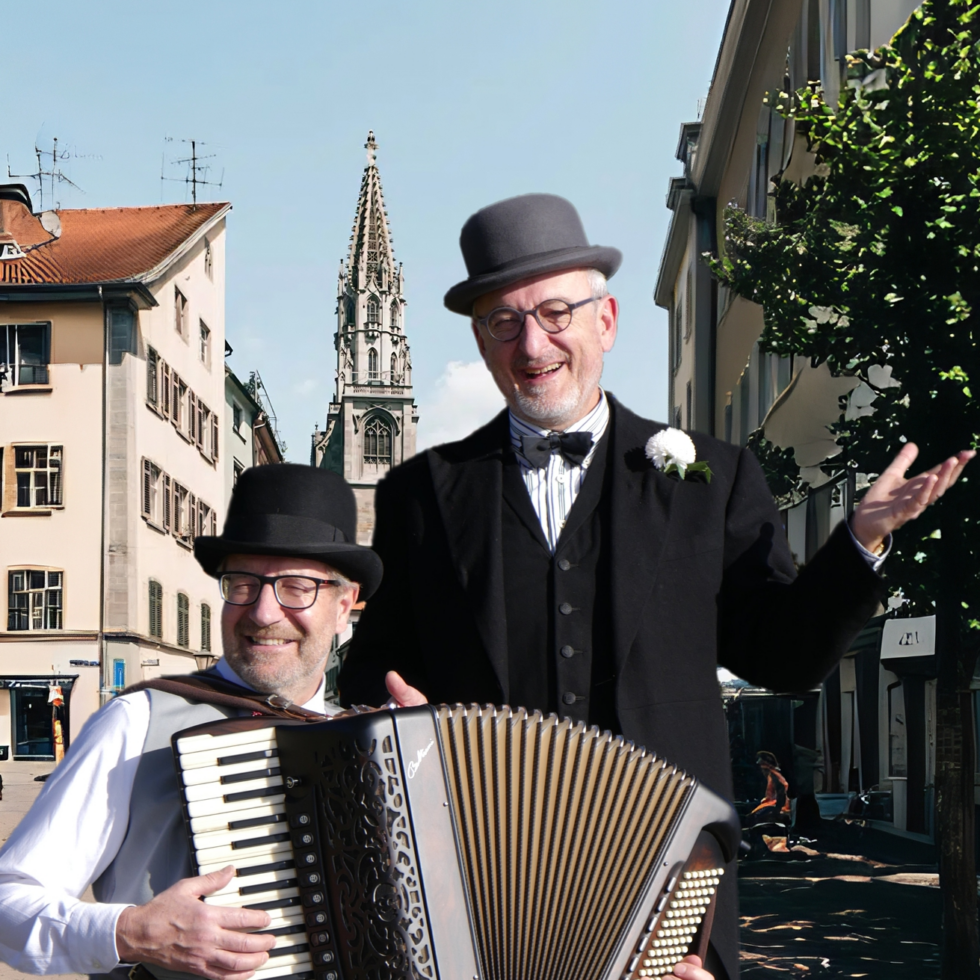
{"x": 672, "y": 451}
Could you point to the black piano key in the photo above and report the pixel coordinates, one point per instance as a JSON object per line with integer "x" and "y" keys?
{"x": 241, "y": 845}
{"x": 290, "y": 930}
{"x": 244, "y": 777}
{"x": 231, "y": 760}
{"x": 268, "y": 886}
{"x": 258, "y": 869}
{"x": 257, "y": 821}
{"x": 284, "y": 950}
{"x": 279, "y": 903}
{"x": 253, "y": 794}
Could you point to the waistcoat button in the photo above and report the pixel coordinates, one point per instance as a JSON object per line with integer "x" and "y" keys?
{"x": 565, "y": 608}
{"x": 564, "y": 564}
{"x": 568, "y": 697}
{"x": 567, "y": 651}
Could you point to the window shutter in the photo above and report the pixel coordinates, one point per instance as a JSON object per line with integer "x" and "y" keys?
{"x": 165, "y": 388}
{"x": 167, "y": 492}
{"x": 175, "y": 405}
{"x": 9, "y": 480}
{"x": 156, "y": 609}
{"x": 147, "y": 481}
{"x": 192, "y": 516}
{"x": 213, "y": 529}
{"x": 214, "y": 435}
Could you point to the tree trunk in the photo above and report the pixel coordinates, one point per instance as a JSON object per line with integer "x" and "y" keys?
{"x": 955, "y": 757}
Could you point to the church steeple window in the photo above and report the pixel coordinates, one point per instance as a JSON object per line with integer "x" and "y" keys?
{"x": 372, "y": 311}
{"x": 373, "y": 371}
{"x": 394, "y": 316}
{"x": 377, "y": 442}
{"x": 394, "y": 370}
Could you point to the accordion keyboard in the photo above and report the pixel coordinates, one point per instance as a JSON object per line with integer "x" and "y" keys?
{"x": 237, "y": 814}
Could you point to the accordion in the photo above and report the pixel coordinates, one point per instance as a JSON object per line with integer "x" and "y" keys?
{"x": 456, "y": 843}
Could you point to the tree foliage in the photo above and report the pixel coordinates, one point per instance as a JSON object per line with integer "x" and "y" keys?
{"x": 875, "y": 260}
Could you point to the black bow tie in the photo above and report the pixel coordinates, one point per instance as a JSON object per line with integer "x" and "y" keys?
{"x": 574, "y": 446}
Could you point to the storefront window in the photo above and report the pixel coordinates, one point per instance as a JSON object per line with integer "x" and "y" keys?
{"x": 897, "y": 733}
{"x": 32, "y": 723}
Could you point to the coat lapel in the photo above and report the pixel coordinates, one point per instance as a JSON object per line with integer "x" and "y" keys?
{"x": 639, "y": 525}
{"x": 468, "y": 481}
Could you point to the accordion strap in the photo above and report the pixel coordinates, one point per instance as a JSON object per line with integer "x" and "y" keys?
{"x": 209, "y": 688}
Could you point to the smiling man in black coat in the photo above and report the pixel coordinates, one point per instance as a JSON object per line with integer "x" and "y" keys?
{"x": 546, "y": 561}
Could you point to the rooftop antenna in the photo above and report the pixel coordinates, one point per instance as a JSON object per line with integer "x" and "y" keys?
{"x": 54, "y": 175}
{"x": 197, "y": 172}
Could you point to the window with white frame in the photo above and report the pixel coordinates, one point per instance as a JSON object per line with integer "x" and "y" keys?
{"x": 183, "y": 526}
{"x": 238, "y": 468}
{"x": 181, "y": 313}
{"x": 152, "y": 504}
{"x": 26, "y": 353}
{"x": 204, "y": 344}
{"x": 38, "y": 476}
{"x": 35, "y": 599}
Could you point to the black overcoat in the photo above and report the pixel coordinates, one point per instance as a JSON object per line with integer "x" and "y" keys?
{"x": 701, "y": 576}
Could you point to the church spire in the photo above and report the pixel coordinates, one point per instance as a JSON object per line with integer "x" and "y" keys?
{"x": 371, "y": 257}
{"x": 372, "y": 420}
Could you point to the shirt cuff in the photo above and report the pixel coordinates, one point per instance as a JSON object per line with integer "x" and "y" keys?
{"x": 93, "y": 929}
{"x": 874, "y": 561}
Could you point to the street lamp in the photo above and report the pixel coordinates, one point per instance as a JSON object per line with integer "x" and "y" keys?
{"x": 205, "y": 660}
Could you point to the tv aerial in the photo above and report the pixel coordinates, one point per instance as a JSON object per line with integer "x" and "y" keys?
{"x": 197, "y": 172}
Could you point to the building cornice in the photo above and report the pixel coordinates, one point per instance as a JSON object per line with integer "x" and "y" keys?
{"x": 98, "y": 292}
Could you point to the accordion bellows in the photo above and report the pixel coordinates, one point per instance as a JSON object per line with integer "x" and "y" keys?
{"x": 467, "y": 842}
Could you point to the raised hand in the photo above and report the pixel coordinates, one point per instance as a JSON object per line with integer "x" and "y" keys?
{"x": 689, "y": 968}
{"x": 894, "y": 500}
{"x": 177, "y": 930}
{"x": 403, "y": 695}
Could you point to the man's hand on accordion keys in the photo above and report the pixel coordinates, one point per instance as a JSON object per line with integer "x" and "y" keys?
{"x": 402, "y": 695}
{"x": 179, "y": 931}
{"x": 689, "y": 968}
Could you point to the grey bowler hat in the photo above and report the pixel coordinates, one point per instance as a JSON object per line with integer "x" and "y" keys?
{"x": 523, "y": 237}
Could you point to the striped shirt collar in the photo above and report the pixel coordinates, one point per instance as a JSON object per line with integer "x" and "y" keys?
{"x": 595, "y": 422}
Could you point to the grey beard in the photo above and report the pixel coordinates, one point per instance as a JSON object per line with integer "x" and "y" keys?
{"x": 553, "y": 414}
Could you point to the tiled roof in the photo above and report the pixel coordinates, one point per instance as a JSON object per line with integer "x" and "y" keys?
{"x": 98, "y": 245}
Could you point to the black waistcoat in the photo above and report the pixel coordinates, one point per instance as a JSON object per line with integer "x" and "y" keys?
{"x": 558, "y": 606}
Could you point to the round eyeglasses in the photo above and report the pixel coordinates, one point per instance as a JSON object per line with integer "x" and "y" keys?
{"x": 553, "y": 315}
{"x": 291, "y": 591}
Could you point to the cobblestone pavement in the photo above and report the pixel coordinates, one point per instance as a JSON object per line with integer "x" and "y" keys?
{"x": 19, "y": 792}
{"x": 841, "y": 913}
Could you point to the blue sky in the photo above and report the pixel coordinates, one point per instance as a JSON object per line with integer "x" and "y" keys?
{"x": 469, "y": 102}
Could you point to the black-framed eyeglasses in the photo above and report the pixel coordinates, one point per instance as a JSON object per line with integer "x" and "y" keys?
{"x": 553, "y": 315}
{"x": 291, "y": 591}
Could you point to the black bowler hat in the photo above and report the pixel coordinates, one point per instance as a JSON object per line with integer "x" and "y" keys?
{"x": 520, "y": 238}
{"x": 294, "y": 511}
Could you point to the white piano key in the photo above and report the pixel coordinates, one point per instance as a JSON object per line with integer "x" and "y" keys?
{"x": 240, "y": 901}
{"x": 205, "y": 743}
{"x": 293, "y": 939}
{"x": 284, "y": 966}
{"x": 222, "y": 818}
{"x": 214, "y": 774}
{"x": 223, "y": 838}
{"x": 210, "y": 791}
{"x": 281, "y": 918}
{"x": 200, "y": 808}
{"x": 245, "y": 856}
{"x": 211, "y": 757}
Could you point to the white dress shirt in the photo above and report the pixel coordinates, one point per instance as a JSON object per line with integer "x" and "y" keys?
{"x": 555, "y": 487}
{"x": 69, "y": 837}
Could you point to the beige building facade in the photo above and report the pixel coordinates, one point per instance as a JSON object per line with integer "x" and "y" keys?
{"x": 874, "y": 730}
{"x": 112, "y": 407}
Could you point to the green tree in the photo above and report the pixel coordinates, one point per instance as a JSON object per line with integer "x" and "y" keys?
{"x": 875, "y": 261}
